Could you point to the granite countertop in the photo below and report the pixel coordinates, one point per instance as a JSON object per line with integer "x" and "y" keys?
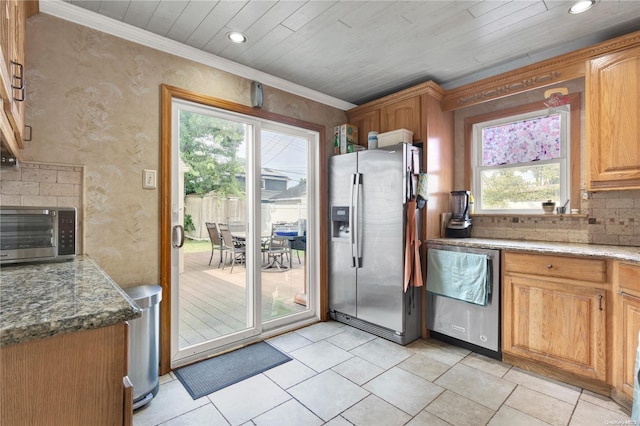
{"x": 45, "y": 299}
{"x": 624, "y": 253}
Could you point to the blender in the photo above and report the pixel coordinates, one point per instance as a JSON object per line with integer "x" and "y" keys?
{"x": 460, "y": 224}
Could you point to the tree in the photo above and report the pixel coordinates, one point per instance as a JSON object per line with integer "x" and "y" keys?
{"x": 527, "y": 184}
{"x": 208, "y": 146}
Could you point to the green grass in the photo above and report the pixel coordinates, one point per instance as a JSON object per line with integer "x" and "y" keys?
{"x": 194, "y": 246}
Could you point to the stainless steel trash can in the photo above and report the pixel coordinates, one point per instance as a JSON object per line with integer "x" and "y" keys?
{"x": 144, "y": 346}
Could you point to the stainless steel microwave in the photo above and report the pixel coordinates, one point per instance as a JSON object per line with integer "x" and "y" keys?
{"x": 37, "y": 234}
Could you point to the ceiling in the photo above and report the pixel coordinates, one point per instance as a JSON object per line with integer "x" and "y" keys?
{"x": 356, "y": 51}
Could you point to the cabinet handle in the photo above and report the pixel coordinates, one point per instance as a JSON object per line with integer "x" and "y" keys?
{"x": 549, "y": 266}
{"x": 23, "y": 95}
{"x": 600, "y": 299}
{"x": 30, "y": 133}
{"x": 19, "y": 78}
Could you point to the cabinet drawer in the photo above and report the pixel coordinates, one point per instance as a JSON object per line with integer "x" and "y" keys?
{"x": 629, "y": 277}
{"x": 575, "y": 268}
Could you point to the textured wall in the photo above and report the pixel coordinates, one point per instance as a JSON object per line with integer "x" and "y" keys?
{"x": 94, "y": 100}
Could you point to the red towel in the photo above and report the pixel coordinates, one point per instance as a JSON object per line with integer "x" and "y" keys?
{"x": 412, "y": 267}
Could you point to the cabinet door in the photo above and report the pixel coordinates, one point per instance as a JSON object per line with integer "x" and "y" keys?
{"x": 628, "y": 312}
{"x": 5, "y": 46}
{"x": 16, "y": 65}
{"x": 67, "y": 379}
{"x": 404, "y": 114}
{"x": 630, "y": 328}
{"x": 12, "y": 31}
{"x": 558, "y": 324}
{"x": 366, "y": 122}
{"x": 613, "y": 128}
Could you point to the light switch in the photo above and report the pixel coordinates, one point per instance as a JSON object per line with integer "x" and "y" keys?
{"x": 149, "y": 179}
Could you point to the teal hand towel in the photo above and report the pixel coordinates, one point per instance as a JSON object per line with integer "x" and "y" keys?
{"x": 462, "y": 276}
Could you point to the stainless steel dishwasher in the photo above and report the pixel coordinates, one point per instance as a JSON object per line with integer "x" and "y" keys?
{"x": 473, "y": 326}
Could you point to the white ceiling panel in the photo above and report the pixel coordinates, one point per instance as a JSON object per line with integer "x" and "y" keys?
{"x": 214, "y": 23}
{"x": 190, "y": 18}
{"x": 165, "y": 15}
{"x": 306, "y": 14}
{"x": 356, "y": 51}
{"x": 265, "y": 32}
{"x": 240, "y": 22}
{"x": 92, "y": 5}
{"x": 255, "y": 54}
{"x": 113, "y": 9}
{"x": 481, "y": 8}
{"x": 139, "y": 13}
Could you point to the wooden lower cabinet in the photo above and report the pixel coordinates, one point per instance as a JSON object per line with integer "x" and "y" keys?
{"x": 627, "y": 328}
{"x": 554, "y": 321}
{"x": 68, "y": 379}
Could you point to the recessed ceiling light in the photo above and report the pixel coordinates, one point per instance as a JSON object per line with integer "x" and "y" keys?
{"x": 237, "y": 37}
{"x": 581, "y": 6}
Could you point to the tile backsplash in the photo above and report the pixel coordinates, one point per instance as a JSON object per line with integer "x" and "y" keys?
{"x": 46, "y": 185}
{"x": 564, "y": 229}
{"x": 613, "y": 217}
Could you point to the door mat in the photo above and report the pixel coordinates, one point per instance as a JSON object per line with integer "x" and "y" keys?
{"x": 210, "y": 375}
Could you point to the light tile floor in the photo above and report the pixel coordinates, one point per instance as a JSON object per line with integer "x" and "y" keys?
{"x": 340, "y": 375}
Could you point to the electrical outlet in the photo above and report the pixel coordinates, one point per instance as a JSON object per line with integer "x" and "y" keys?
{"x": 149, "y": 179}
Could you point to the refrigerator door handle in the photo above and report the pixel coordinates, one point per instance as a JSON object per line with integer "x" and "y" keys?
{"x": 352, "y": 220}
{"x": 357, "y": 255}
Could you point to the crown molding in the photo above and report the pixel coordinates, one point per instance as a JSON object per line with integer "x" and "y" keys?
{"x": 427, "y": 88}
{"x": 558, "y": 69}
{"x": 78, "y": 15}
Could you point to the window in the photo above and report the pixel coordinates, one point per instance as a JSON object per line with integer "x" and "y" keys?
{"x": 520, "y": 161}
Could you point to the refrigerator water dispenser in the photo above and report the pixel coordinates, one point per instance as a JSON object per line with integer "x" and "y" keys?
{"x": 340, "y": 223}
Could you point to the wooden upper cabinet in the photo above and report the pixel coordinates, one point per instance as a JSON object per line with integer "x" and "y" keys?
{"x": 404, "y": 114}
{"x": 368, "y": 121}
{"x": 13, "y": 15}
{"x": 414, "y": 108}
{"x": 613, "y": 127}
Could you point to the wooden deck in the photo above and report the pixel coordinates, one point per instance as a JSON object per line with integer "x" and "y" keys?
{"x": 213, "y": 300}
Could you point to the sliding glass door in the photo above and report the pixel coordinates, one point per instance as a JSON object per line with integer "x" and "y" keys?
{"x": 240, "y": 190}
{"x": 284, "y": 203}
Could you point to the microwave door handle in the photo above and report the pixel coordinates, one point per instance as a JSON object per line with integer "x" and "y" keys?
{"x": 43, "y": 212}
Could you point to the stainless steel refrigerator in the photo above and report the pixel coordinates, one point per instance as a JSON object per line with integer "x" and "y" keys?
{"x": 368, "y": 195}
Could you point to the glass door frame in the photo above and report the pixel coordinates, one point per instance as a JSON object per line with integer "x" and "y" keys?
{"x": 316, "y": 246}
{"x": 181, "y": 356}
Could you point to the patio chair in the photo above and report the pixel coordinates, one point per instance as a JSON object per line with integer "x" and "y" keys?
{"x": 299, "y": 244}
{"x": 216, "y": 241}
{"x": 276, "y": 249}
{"x": 231, "y": 245}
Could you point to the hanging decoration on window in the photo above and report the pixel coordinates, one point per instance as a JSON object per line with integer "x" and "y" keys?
{"x": 523, "y": 141}
{"x": 555, "y": 98}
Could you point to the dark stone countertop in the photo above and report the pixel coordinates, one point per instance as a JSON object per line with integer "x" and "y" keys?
{"x": 624, "y": 253}
{"x": 45, "y": 299}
